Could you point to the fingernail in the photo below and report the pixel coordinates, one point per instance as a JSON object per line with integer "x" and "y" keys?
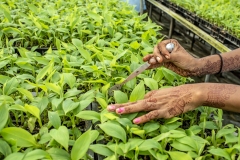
{"x": 111, "y": 107}
{"x": 120, "y": 110}
{"x": 158, "y": 59}
{"x": 137, "y": 120}
{"x": 167, "y": 56}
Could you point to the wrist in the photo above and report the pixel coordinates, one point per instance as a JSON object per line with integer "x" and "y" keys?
{"x": 196, "y": 66}
{"x": 199, "y": 94}
{"x": 207, "y": 65}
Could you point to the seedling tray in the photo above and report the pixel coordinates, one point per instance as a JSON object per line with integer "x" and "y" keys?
{"x": 216, "y": 32}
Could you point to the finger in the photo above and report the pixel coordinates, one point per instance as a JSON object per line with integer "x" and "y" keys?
{"x": 155, "y": 66}
{"x": 162, "y": 48}
{"x": 150, "y": 94}
{"x": 149, "y": 116}
{"x": 152, "y": 61}
{"x": 131, "y": 108}
{"x": 157, "y": 54}
{"x": 147, "y": 57}
{"x": 113, "y": 107}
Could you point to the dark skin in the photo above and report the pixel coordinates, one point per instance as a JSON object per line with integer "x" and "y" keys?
{"x": 170, "y": 102}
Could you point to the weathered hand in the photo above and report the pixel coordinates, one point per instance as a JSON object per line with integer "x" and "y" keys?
{"x": 163, "y": 103}
{"x": 179, "y": 60}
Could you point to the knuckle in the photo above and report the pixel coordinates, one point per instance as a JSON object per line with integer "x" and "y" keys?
{"x": 150, "y": 94}
{"x": 128, "y": 109}
{"x": 151, "y": 115}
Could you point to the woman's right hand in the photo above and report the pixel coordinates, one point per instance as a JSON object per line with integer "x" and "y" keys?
{"x": 179, "y": 60}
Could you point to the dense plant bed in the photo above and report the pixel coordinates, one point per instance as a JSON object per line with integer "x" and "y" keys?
{"x": 196, "y": 135}
{"x": 223, "y": 14}
{"x": 97, "y": 43}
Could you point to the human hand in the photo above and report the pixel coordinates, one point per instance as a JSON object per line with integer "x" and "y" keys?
{"x": 163, "y": 103}
{"x": 179, "y": 60}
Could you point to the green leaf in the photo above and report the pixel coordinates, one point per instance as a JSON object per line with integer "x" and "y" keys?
{"x": 44, "y": 71}
{"x": 56, "y": 103}
{"x": 121, "y": 54}
{"x": 231, "y": 138}
{"x": 89, "y": 115}
{"x": 209, "y": 125}
{"x": 3, "y": 116}
{"x": 68, "y": 105}
{"x": 120, "y": 97}
{"x": 105, "y": 88}
{"x": 134, "y": 143}
{"x": 4, "y": 63}
{"x": 54, "y": 87}
{"x": 110, "y": 116}
{"x": 94, "y": 16}
{"x": 148, "y": 144}
{"x": 72, "y": 92}
{"x": 12, "y": 30}
{"x": 61, "y": 135}
{"x": 94, "y": 135}
{"x": 58, "y": 44}
{"x": 26, "y": 93}
{"x": 6, "y": 12}
{"x": 41, "y": 103}
{"x": 138, "y": 92}
{"x": 63, "y": 30}
{"x": 88, "y": 95}
{"x": 70, "y": 79}
{"x": 102, "y": 102}
{"x": 139, "y": 132}
{"x": 54, "y": 119}
{"x": 41, "y": 60}
{"x": 170, "y": 134}
{"x": 81, "y": 145}
{"x": 22, "y": 138}
{"x": 25, "y": 65}
{"x": 46, "y": 137}
{"x": 84, "y": 103}
{"x": 15, "y": 156}
{"x": 37, "y": 154}
{"x": 190, "y": 142}
{"x": 17, "y": 107}
{"x": 114, "y": 130}
{"x": 33, "y": 110}
{"x": 10, "y": 86}
{"x": 78, "y": 44}
{"x": 32, "y": 7}
{"x": 134, "y": 45}
{"x": 25, "y": 76}
{"x": 101, "y": 149}
{"x": 4, "y": 79}
{"x": 225, "y": 131}
{"x": 5, "y": 148}
{"x": 151, "y": 126}
{"x": 59, "y": 154}
{"x": 6, "y": 99}
{"x": 125, "y": 122}
{"x": 151, "y": 83}
{"x": 130, "y": 116}
{"x": 172, "y": 120}
{"x": 220, "y": 152}
{"x": 168, "y": 74}
{"x": 181, "y": 147}
{"x": 175, "y": 155}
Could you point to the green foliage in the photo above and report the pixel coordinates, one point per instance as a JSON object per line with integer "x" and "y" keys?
{"x": 91, "y": 45}
{"x": 222, "y": 13}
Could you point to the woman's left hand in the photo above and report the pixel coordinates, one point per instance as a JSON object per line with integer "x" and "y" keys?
{"x": 162, "y": 103}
